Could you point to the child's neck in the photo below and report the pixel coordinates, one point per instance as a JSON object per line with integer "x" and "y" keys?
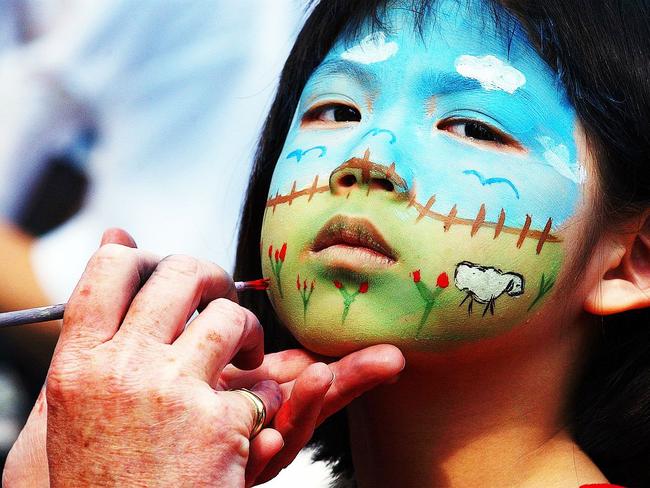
{"x": 473, "y": 418}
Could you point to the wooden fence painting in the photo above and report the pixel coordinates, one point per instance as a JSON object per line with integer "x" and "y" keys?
{"x": 523, "y": 233}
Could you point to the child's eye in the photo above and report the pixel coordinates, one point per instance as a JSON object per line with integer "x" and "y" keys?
{"x": 479, "y": 131}
{"x": 331, "y": 113}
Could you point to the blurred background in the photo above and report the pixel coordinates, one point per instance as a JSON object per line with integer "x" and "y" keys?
{"x": 140, "y": 114}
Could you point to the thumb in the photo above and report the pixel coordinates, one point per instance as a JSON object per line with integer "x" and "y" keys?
{"x": 115, "y": 235}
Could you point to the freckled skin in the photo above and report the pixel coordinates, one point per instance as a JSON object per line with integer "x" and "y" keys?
{"x": 513, "y": 218}
{"x": 130, "y": 401}
{"x": 214, "y": 337}
{"x": 122, "y": 409}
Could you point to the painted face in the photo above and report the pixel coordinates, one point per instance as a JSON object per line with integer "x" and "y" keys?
{"x": 423, "y": 188}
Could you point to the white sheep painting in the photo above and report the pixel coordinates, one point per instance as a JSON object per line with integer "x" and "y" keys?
{"x": 484, "y": 284}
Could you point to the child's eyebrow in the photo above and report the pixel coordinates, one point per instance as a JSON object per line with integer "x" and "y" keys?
{"x": 439, "y": 83}
{"x": 349, "y": 69}
{"x": 433, "y": 83}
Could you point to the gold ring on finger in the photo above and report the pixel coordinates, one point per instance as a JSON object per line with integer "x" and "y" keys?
{"x": 260, "y": 409}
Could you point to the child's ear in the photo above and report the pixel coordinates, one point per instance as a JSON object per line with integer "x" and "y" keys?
{"x": 625, "y": 282}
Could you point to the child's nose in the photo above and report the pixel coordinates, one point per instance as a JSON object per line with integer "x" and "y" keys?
{"x": 364, "y": 173}
{"x": 374, "y": 164}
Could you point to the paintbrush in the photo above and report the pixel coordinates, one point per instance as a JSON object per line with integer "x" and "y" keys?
{"x": 55, "y": 312}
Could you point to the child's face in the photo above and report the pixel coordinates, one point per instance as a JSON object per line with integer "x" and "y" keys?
{"x": 424, "y": 188}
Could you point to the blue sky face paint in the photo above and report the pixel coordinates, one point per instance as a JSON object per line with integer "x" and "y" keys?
{"x": 454, "y": 146}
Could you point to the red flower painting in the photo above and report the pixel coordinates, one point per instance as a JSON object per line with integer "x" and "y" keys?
{"x": 416, "y": 276}
{"x": 428, "y": 296}
{"x": 276, "y": 267}
{"x": 443, "y": 280}
{"x": 348, "y": 298}
{"x": 305, "y": 295}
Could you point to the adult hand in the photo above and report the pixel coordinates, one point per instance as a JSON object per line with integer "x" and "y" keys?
{"x": 133, "y": 398}
{"x": 311, "y": 392}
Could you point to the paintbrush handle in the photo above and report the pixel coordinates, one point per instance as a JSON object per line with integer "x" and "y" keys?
{"x": 55, "y": 312}
{"x": 32, "y": 315}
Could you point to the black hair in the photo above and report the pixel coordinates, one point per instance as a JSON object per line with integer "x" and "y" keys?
{"x": 599, "y": 49}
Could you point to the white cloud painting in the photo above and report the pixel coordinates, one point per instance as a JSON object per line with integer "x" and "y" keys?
{"x": 491, "y": 72}
{"x": 557, "y": 155}
{"x": 372, "y": 49}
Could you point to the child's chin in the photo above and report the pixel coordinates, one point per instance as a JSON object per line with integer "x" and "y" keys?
{"x": 327, "y": 341}
{"x": 326, "y": 346}
{"x": 333, "y": 343}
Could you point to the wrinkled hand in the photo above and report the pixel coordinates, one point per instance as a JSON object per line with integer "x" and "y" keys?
{"x": 154, "y": 396}
{"x": 133, "y": 396}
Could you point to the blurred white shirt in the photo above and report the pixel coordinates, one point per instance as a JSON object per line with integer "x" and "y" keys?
{"x": 177, "y": 92}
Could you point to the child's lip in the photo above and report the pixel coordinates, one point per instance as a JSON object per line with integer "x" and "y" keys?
{"x": 353, "y": 242}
